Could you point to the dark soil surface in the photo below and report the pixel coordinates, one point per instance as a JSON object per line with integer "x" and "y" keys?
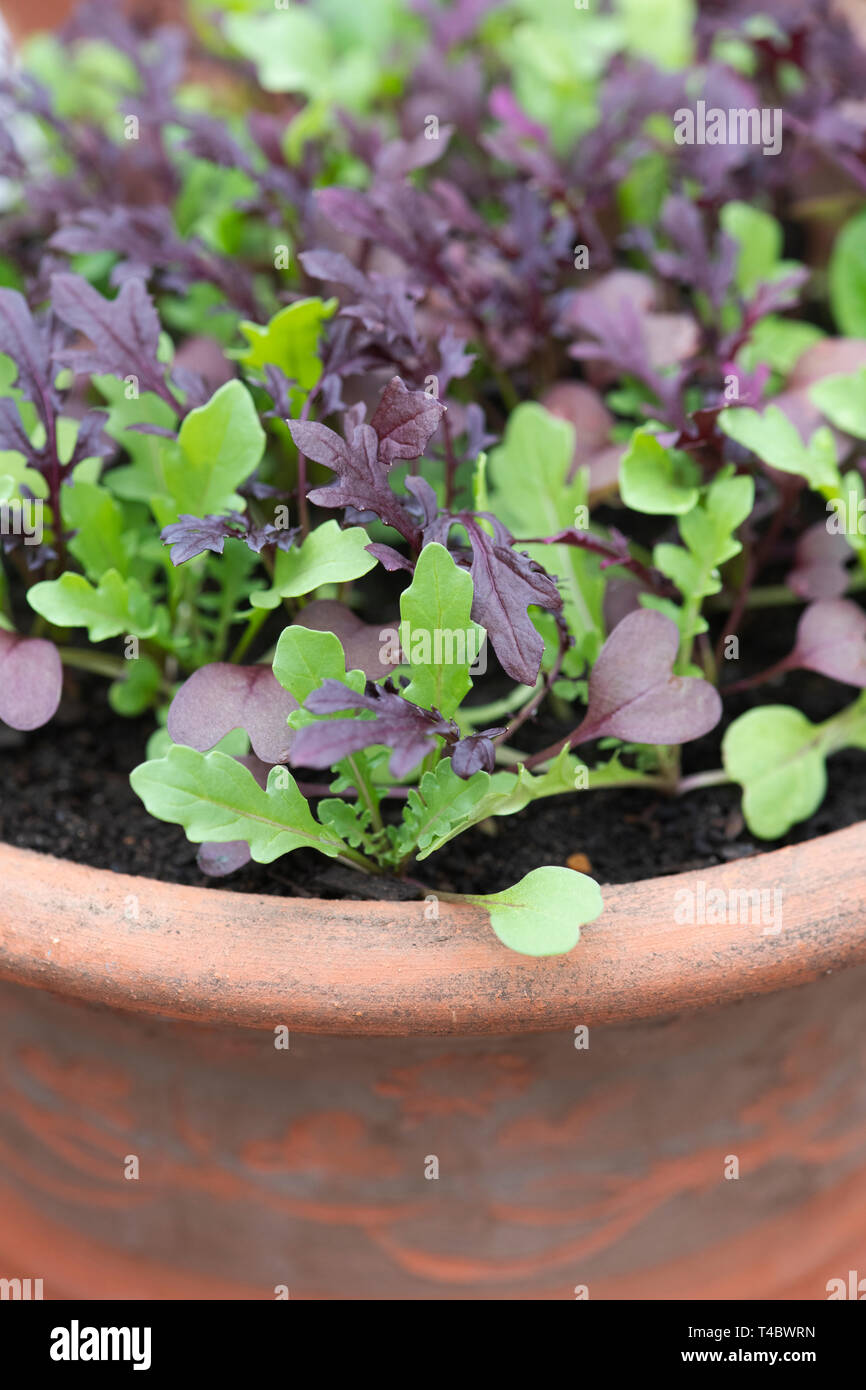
{"x": 66, "y": 792}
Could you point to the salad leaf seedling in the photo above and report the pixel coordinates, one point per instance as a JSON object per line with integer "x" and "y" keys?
{"x": 407, "y": 472}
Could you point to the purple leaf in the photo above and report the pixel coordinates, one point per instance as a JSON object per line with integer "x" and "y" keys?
{"x": 12, "y": 432}
{"x": 405, "y": 421}
{"x": 29, "y": 345}
{"x": 475, "y": 753}
{"x": 820, "y": 571}
{"x": 634, "y": 694}
{"x": 31, "y": 680}
{"x": 191, "y": 535}
{"x": 362, "y": 478}
{"x": 831, "y": 639}
{"x": 124, "y": 332}
{"x": 506, "y": 583}
{"x": 221, "y": 697}
{"x": 406, "y": 729}
{"x": 390, "y": 558}
{"x": 218, "y": 860}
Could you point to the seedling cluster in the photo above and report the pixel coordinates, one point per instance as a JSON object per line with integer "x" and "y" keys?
{"x": 407, "y": 324}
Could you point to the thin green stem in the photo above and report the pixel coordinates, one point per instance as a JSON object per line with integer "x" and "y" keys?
{"x": 254, "y": 622}
{"x": 366, "y": 790}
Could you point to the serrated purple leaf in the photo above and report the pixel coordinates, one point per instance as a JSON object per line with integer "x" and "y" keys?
{"x": 405, "y": 421}
{"x": 405, "y": 728}
{"x": 124, "y": 332}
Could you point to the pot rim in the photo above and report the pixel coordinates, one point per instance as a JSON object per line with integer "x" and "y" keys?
{"x": 380, "y": 968}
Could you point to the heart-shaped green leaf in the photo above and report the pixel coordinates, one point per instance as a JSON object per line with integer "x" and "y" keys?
{"x": 542, "y": 914}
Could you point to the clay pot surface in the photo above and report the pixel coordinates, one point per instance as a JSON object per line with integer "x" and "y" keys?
{"x": 377, "y": 1158}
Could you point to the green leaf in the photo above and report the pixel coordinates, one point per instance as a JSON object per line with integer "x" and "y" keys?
{"x": 438, "y": 637}
{"x": 143, "y": 478}
{"x": 760, "y": 240}
{"x": 92, "y": 512}
{"x": 656, "y": 480}
{"x": 776, "y": 441}
{"x": 531, "y": 495}
{"x": 214, "y": 797}
{"x": 542, "y": 914}
{"x": 778, "y": 342}
{"x": 777, "y": 756}
{"x": 440, "y": 807}
{"x": 351, "y": 821}
{"x": 219, "y": 445}
{"x": 116, "y": 606}
{"x": 304, "y": 658}
{"x": 138, "y": 688}
{"x": 444, "y": 805}
{"x": 843, "y": 400}
{"x": 848, "y": 278}
{"x": 327, "y": 556}
{"x": 290, "y": 341}
{"x": 660, "y": 30}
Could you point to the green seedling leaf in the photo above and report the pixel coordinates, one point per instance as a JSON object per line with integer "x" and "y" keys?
{"x": 214, "y": 797}
{"x": 304, "y": 658}
{"x": 138, "y": 688}
{"x": 777, "y": 442}
{"x": 327, "y": 556}
{"x": 848, "y": 278}
{"x": 219, "y": 446}
{"x": 144, "y": 477}
{"x": 656, "y": 480}
{"x": 542, "y": 914}
{"x": 97, "y": 519}
{"x": 438, "y": 637}
{"x": 441, "y": 806}
{"x": 117, "y": 606}
{"x": 759, "y": 237}
{"x": 778, "y": 342}
{"x": 777, "y": 756}
{"x": 290, "y": 341}
{"x": 843, "y": 400}
{"x": 530, "y": 493}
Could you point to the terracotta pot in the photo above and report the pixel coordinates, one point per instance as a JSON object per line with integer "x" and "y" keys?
{"x": 23, "y": 17}
{"x": 139, "y": 1024}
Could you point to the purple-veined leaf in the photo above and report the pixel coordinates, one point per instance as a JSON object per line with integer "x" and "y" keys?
{"x": 221, "y": 697}
{"x": 31, "y": 680}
